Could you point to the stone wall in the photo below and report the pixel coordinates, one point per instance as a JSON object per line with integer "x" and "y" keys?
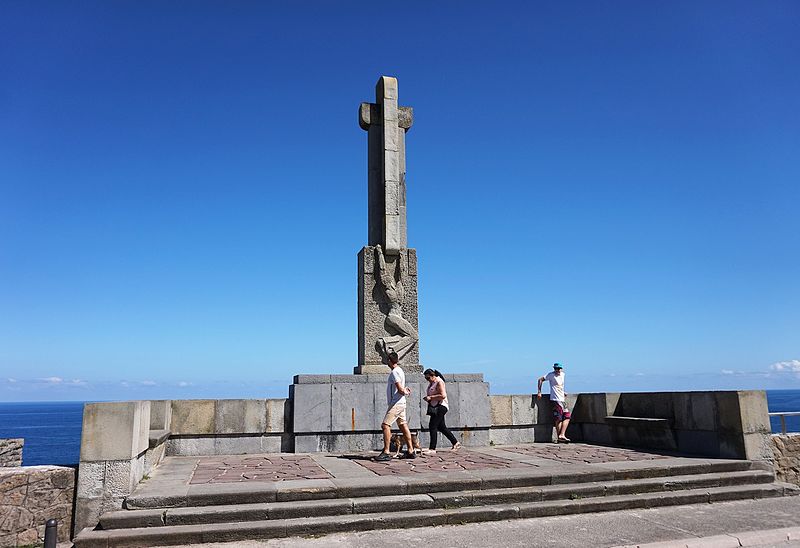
{"x": 726, "y": 424}
{"x": 11, "y": 452}
{"x": 520, "y": 418}
{"x": 114, "y": 443}
{"x": 786, "y": 457}
{"x": 31, "y": 495}
{"x": 226, "y": 427}
{"x": 344, "y": 412}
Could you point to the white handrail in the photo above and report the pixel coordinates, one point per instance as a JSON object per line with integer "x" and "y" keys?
{"x": 783, "y": 415}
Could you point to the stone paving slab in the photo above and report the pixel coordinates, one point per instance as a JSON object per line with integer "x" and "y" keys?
{"x": 445, "y": 461}
{"x": 238, "y": 468}
{"x": 581, "y": 453}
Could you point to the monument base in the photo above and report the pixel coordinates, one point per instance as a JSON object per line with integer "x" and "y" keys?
{"x": 344, "y": 412}
{"x": 384, "y": 369}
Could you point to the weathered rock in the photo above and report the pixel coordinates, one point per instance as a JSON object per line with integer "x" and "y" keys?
{"x": 29, "y": 496}
{"x": 786, "y": 451}
{"x": 11, "y": 452}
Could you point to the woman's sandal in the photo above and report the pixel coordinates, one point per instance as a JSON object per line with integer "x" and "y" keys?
{"x": 456, "y": 447}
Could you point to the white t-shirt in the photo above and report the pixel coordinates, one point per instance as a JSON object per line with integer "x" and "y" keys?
{"x": 556, "y": 386}
{"x": 393, "y": 395}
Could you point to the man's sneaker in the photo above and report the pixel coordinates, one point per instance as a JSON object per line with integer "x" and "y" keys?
{"x": 409, "y": 455}
{"x": 383, "y": 457}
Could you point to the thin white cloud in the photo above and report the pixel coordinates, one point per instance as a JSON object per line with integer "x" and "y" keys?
{"x": 728, "y": 372}
{"x": 52, "y": 380}
{"x": 11, "y": 381}
{"x": 184, "y": 384}
{"x": 149, "y": 383}
{"x": 791, "y": 366}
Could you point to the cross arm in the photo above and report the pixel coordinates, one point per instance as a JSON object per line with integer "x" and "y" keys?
{"x": 369, "y": 113}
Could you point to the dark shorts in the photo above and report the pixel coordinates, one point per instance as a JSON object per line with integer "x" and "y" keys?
{"x": 560, "y": 412}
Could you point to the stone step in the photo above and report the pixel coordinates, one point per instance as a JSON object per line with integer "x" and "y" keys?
{"x": 446, "y": 499}
{"x": 255, "y": 492}
{"x": 277, "y": 528}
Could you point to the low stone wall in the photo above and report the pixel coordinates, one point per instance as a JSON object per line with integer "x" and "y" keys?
{"x": 31, "y": 495}
{"x": 520, "y": 418}
{"x": 229, "y": 427}
{"x": 725, "y": 424}
{"x": 11, "y": 452}
{"x": 786, "y": 457}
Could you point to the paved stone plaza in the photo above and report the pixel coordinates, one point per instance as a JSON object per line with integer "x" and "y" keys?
{"x": 287, "y": 467}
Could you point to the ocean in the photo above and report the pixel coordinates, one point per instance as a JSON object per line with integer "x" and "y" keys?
{"x": 52, "y": 430}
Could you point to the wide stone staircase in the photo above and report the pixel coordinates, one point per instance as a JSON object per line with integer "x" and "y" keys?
{"x": 264, "y": 510}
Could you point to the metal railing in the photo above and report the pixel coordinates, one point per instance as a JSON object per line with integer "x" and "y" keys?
{"x": 783, "y": 415}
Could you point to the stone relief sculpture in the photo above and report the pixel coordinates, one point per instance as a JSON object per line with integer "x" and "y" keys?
{"x": 405, "y": 335}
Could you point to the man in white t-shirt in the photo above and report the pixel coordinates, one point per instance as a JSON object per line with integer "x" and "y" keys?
{"x": 396, "y": 392}
{"x": 558, "y": 398}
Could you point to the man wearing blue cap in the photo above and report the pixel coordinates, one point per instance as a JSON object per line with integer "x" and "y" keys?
{"x": 558, "y": 398}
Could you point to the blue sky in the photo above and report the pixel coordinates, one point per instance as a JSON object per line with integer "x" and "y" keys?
{"x": 612, "y": 185}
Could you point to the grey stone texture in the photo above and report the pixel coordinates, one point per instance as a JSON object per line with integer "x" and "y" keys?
{"x": 386, "y": 124}
{"x": 727, "y": 424}
{"x": 786, "y": 457}
{"x": 115, "y": 430}
{"x": 31, "y": 495}
{"x": 114, "y": 446}
{"x": 373, "y": 308}
{"x": 160, "y": 414}
{"x": 11, "y": 452}
{"x": 346, "y": 414}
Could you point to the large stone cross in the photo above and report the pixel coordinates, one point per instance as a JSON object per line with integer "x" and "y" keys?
{"x": 386, "y": 124}
{"x": 387, "y": 267}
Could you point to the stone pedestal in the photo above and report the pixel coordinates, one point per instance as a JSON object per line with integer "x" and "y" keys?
{"x": 340, "y": 413}
{"x": 373, "y": 308}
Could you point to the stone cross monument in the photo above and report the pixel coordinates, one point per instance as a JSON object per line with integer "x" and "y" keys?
{"x": 387, "y": 267}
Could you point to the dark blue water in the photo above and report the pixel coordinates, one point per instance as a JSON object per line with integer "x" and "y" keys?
{"x": 52, "y": 430}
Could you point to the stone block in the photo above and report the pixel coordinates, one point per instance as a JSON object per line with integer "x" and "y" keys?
{"x": 312, "y": 379}
{"x": 272, "y": 444}
{"x": 119, "y": 478}
{"x": 352, "y": 407}
{"x": 312, "y": 408}
{"x": 754, "y": 411}
{"x": 465, "y": 377}
{"x": 337, "y": 442}
{"x": 277, "y": 414}
{"x": 729, "y": 418}
{"x": 114, "y": 430}
{"x": 473, "y": 405}
{"x": 237, "y": 445}
{"x": 160, "y": 414}
{"x": 590, "y": 408}
{"x": 695, "y": 411}
{"x": 698, "y": 442}
{"x": 473, "y": 437}
{"x": 500, "y": 408}
{"x": 192, "y": 417}
{"x": 523, "y": 410}
{"x": 593, "y": 433}
{"x": 757, "y": 446}
{"x": 511, "y": 436}
{"x": 240, "y": 417}
{"x": 191, "y": 446}
{"x": 335, "y": 379}
{"x": 91, "y": 476}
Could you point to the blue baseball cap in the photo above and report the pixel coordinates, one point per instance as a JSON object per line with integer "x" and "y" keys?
{"x": 558, "y": 366}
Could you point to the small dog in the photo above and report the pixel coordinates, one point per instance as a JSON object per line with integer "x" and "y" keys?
{"x": 398, "y": 441}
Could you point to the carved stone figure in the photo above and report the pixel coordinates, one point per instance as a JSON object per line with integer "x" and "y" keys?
{"x": 405, "y": 335}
